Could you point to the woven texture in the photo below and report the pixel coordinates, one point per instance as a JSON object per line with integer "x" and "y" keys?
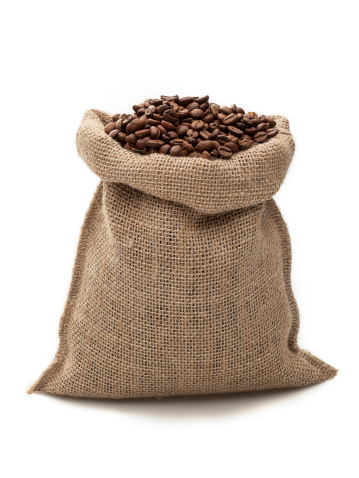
{"x": 181, "y": 283}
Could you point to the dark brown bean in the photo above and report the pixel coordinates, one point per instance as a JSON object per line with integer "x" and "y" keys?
{"x": 235, "y": 131}
{"x": 225, "y": 152}
{"x": 232, "y": 146}
{"x": 110, "y": 127}
{"x": 197, "y": 125}
{"x": 176, "y": 150}
{"x": 155, "y": 143}
{"x": 135, "y": 125}
{"x": 204, "y": 146}
{"x": 168, "y": 126}
{"x": 155, "y": 133}
{"x": 230, "y": 119}
{"x": 165, "y": 149}
{"x": 196, "y": 113}
{"x": 114, "y": 133}
{"x": 131, "y": 138}
{"x": 171, "y": 116}
{"x": 272, "y": 132}
{"x": 142, "y": 133}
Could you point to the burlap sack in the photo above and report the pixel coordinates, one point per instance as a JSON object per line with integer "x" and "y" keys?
{"x": 181, "y": 283}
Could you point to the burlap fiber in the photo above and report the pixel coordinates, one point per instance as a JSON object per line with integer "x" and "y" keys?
{"x": 181, "y": 283}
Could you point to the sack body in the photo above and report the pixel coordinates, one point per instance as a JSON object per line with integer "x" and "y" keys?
{"x": 181, "y": 283}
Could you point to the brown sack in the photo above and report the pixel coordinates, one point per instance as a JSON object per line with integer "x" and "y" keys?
{"x": 181, "y": 283}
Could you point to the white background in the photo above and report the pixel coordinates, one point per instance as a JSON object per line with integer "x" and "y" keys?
{"x": 59, "y": 59}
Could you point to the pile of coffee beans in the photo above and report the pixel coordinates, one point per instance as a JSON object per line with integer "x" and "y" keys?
{"x": 189, "y": 126}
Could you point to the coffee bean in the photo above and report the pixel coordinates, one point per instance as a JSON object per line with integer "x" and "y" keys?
{"x": 175, "y": 150}
{"x": 172, "y": 135}
{"x": 203, "y": 99}
{"x": 225, "y": 110}
{"x": 135, "y": 125}
{"x": 171, "y": 116}
{"x": 251, "y": 131}
{"x": 115, "y": 118}
{"x": 110, "y": 127}
{"x": 194, "y": 154}
{"x": 204, "y": 134}
{"x": 204, "y": 146}
{"x": 188, "y": 146}
{"x": 230, "y": 119}
{"x": 252, "y": 115}
{"x": 196, "y": 113}
{"x": 157, "y": 117}
{"x": 272, "y": 123}
{"x": 161, "y": 109}
{"x": 192, "y": 106}
{"x": 182, "y": 129}
{"x": 225, "y": 152}
{"x": 214, "y": 110}
{"x": 155, "y": 143}
{"x": 165, "y": 149}
{"x": 263, "y": 127}
{"x": 235, "y": 131}
{"x": 153, "y": 122}
{"x": 131, "y": 138}
{"x": 121, "y": 137}
{"x": 245, "y": 144}
{"x": 155, "y": 133}
{"x": 186, "y": 100}
{"x": 168, "y": 126}
{"x": 232, "y": 146}
{"x": 272, "y": 132}
{"x": 114, "y": 133}
{"x": 162, "y": 129}
{"x": 197, "y": 124}
{"x": 206, "y": 155}
{"x": 142, "y": 143}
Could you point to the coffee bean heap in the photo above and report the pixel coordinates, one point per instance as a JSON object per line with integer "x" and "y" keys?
{"x": 189, "y": 126}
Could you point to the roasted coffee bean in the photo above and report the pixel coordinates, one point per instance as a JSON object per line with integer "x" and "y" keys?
{"x": 260, "y": 137}
{"x": 165, "y": 149}
{"x": 176, "y": 150}
{"x": 230, "y": 119}
{"x": 225, "y": 152}
{"x": 183, "y": 114}
{"x": 114, "y": 133}
{"x": 142, "y": 143}
{"x": 196, "y": 113}
{"x": 214, "y": 110}
{"x": 131, "y": 138}
{"x": 202, "y": 99}
{"x": 171, "y": 116}
{"x": 161, "y": 109}
{"x": 186, "y": 100}
{"x": 206, "y": 155}
{"x": 263, "y": 127}
{"x": 155, "y": 133}
{"x": 178, "y": 126}
{"x": 272, "y": 132}
{"x": 225, "y": 110}
{"x": 121, "y": 137}
{"x": 197, "y": 125}
{"x": 135, "y": 125}
{"x": 155, "y": 143}
{"x": 181, "y": 129}
{"x": 251, "y": 131}
{"x": 187, "y": 146}
{"x": 232, "y": 146}
{"x": 245, "y": 144}
{"x": 192, "y": 106}
{"x": 204, "y": 135}
{"x": 204, "y": 146}
{"x": 168, "y": 126}
{"x": 235, "y": 131}
{"x": 195, "y": 154}
{"x": 110, "y": 127}
{"x": 271, "y": 122}
{"x": 172, "y": 135}
{"x": 152, "y": 122}
{"x": 162, "y": 129}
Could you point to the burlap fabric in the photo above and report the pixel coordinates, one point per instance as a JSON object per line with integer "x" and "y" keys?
{"x": 181, "y": 283}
